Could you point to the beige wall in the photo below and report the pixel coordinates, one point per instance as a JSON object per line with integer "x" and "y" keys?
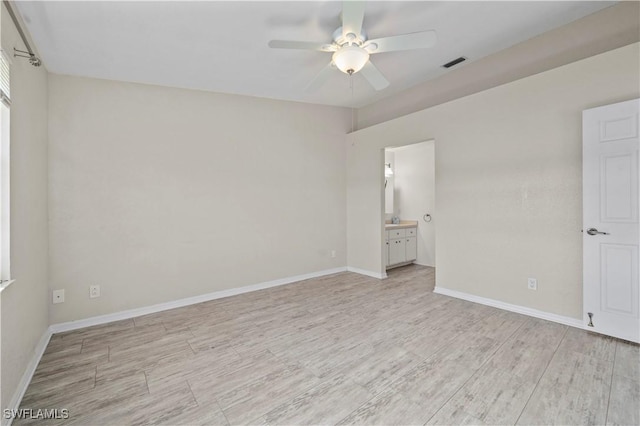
{"x": 508, "y": 182}
{"x": 24, "y": 304}
{"x": 158, "y": 194}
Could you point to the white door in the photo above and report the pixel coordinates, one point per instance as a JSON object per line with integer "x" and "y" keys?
{"x": 411, "y": 249}
{"x": 396, "y": 251}
{"x": 610, "y": 220}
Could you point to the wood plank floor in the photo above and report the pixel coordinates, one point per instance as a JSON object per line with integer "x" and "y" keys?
{"x": 342, "y": 349}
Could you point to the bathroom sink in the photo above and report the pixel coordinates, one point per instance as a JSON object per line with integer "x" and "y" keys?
{"x": 402, "y": 224}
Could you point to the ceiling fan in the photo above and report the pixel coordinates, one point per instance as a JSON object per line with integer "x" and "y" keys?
{"x": 351, "y": 48}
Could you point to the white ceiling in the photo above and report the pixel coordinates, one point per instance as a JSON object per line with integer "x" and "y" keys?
{"x": 221, "y": 46}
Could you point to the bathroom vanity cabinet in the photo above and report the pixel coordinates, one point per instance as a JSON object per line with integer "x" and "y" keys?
{"x": 401, "y": 245}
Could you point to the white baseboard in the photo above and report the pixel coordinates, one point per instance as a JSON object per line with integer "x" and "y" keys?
{"x": 572, "y": 322}
{"x": 132, "y": 313}
{"x": 14, "y": 404}
{"x": 367, "y": 273}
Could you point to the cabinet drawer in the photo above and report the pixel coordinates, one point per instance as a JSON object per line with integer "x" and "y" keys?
{"x": 396, "y": 233}
{"x": 411, "y": 232}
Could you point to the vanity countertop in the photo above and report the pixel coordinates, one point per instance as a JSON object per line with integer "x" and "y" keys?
{"x": 403, "y": 224}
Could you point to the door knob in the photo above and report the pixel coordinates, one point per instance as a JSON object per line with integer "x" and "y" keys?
{"x": 594, "y": 231}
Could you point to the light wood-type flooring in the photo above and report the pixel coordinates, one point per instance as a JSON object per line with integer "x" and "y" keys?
{"x": 342, "y": 349}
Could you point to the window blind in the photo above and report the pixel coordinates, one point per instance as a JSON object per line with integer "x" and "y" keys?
{"x": 5, "y": 83}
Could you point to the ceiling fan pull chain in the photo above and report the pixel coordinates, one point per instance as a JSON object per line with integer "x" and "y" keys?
{"x": 352, "y": 105}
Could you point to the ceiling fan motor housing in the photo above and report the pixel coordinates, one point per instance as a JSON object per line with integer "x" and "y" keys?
{"x": 341, "y": 39}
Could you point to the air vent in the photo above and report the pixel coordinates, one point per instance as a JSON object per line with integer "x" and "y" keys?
{"x": 455, "y": 62}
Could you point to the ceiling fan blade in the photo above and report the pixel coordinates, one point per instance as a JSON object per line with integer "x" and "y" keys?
{"x": 352, "y": 16}
{"x": 321, "y": 78}
{"x": 374, "y": 76}
{"x": 304, "y": 45}
{"x": 420, "y": 40}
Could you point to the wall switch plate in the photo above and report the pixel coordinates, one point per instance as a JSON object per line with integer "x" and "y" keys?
{"x": 58, "y": 296}
{"x": 94, "y": 291}
{"x": 532, "y": 284}
{"x": 333, "y": 253}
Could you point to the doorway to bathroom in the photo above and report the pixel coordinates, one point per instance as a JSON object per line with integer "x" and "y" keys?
{"x": 409, "y": 198}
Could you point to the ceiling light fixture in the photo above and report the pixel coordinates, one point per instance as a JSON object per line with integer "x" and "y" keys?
{"x": 350, "y": 58}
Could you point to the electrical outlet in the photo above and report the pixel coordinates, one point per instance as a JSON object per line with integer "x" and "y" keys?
{"x": 58, "y": 296}
{"x": 333, "y": 253}
{"x": 532, "y": 284}
{"x": 94, "y": 291}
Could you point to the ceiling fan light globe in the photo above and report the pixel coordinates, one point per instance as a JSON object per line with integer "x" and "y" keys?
{"x": 350, "y": 59}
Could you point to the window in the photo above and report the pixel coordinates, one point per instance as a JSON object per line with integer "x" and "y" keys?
{"x": 5, "y": 103}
